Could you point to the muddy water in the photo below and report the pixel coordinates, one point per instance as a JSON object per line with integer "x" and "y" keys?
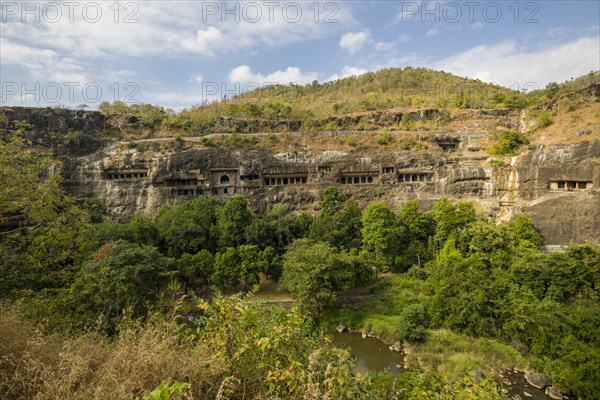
{"x": 371, "y": 353}
{"x": 374, "y": 355}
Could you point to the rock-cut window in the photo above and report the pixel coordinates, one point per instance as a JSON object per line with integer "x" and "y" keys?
{"x": 224, "y": 179}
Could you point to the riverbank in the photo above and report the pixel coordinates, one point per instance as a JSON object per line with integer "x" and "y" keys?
{"x": 454, "y": 361}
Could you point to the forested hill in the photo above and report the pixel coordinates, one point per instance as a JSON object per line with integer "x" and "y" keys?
{"x": 387, "y": 99}
{"x": 384, "y": 89}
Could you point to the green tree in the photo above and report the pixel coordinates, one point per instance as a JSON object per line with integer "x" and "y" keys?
{"x": 188, "y": 227}
{"x": 119, "y": 115}
{"x": 232, "y": 222}
{"x": 551, "y": 90}
{"x": 380, "y": 234}
{"x": 196, "y": 269}
{"x": 339, "y": 221}
{"x": 419, "y": 225}
{"x": 313, "y": 273}
{"x": 251, "y": 263}
{"x": 508, "y": 143}
{"x": 227, "y": 269}
{"x": 418, "y": 228}
{"x": 450, "y": 219}
{"x": 121, "y": 275}
{"x": 276, "y": 228}
{"x": 524, "y": 233}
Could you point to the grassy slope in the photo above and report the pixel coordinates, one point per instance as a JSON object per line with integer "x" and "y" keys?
{"x": 574, "y": 111}
{"x": 408, "y": 89}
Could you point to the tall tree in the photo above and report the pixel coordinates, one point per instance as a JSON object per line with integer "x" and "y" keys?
{"x": 196, "y": 269}
{"x": 188, "y": 227}
{"x": 339, "y": 221}
{"x": 233, "y": 220}
{"x": 313, "y": 273}
{"x": 381, "y": 234}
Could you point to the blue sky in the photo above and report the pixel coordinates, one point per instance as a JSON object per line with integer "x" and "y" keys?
{"x": 181, "y": 53}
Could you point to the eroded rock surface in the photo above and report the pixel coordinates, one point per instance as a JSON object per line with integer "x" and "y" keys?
{"x": 558, "y": 186}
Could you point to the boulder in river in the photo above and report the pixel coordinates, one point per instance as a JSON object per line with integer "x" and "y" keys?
{"x": 553, "y": 393}
{"x": 341, "y": 328}
{"x": 363, "y": 334}
{"x": 538, "y": 380}
{"x": 397, "y": 346}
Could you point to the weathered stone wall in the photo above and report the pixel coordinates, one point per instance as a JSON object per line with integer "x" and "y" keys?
{"x": 298, "y": 180}
{"x": 53, "y": 119}
{"x": 132, "y": 181}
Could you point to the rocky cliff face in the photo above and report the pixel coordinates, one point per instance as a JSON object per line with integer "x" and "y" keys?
{"x": 557, "y": 185}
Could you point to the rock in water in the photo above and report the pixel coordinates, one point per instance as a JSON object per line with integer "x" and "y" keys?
{"x": 397, "y": 346}
{"x": 537, "y": 380}
{"x": 553, "y": 393}
{"x": 341, "y": 328}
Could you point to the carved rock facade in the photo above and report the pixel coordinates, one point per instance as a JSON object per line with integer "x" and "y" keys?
{"x": 557, "y": 186}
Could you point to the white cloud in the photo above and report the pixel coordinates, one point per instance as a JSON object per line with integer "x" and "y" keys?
{"x": 208, "y": 40}
{"x": 244, "y": 75}
{"x": 196, "y": 78}
{"x": 433, "y": 31}
{"x": 353, "y": 41}
{"x": 163, "y": 29}
{"x": 512, "y": 65}
{"x": 42, "y": 64}
{"x": 384, "y": 46}
{"x": 389, "y": 46}
{"x": 346, "y": 72}
{"x": 403, "y": 38}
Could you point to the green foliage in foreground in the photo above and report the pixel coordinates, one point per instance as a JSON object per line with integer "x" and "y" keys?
{"x": 230, "y": 350}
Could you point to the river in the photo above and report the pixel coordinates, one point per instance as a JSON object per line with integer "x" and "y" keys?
{"x": 373, "y": 355}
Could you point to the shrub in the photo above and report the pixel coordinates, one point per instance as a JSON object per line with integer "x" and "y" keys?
{"x": 178, "y": 143}
{"x": 508, "y": 142}
{"x": 497, "y": 163}
{"x": 543, "y": 120}
{"x": 384, "y": 138}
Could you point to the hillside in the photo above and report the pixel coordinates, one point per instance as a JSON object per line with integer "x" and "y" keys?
{"x": 454, "y": 206}
{"x": 381, "y": 90}
{"x": 409, "y": 99}
{"x": 566, "y": 113}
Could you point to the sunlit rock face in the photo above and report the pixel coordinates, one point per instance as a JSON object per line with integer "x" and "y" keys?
{"x": 557, "y": 185}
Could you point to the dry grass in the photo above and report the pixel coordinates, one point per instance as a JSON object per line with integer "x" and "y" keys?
{"x": 39, "y": 366}
{"x": 568, "y": 121}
